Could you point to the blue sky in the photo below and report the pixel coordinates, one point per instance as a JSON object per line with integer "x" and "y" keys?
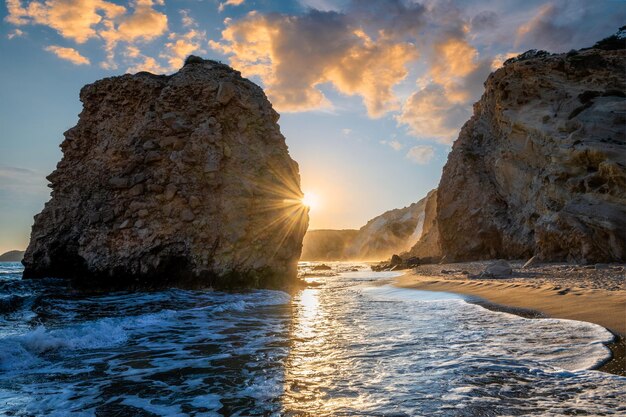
{"x": 371, "y": 93}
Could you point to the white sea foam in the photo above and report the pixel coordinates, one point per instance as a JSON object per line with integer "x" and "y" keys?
{"x": 349, "y": 346}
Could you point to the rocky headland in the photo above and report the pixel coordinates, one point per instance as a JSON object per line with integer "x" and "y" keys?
{"x": 181, "y": 180}
{"x": 12, "y": 256}
{"x": 540, "y": 168}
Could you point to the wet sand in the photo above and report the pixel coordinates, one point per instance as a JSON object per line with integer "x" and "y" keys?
{"x": 559, "y": 291}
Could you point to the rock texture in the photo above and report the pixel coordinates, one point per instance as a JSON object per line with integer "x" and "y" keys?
{"x": 172, "y": 180}
{"x": 540, "y": 167}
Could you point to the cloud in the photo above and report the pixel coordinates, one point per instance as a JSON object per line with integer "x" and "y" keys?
{"x": 229, "y": 3}
{"x": 186, "y": 19}
{"x": 425, "y": 62}
{"x": 485, "y": 20}
{"x": 72, "y": 19}
{"x": 147, "y": 63}
{"x": 438, "y": 109}
{"x": 176, "y": 49}
{"x": 144, "y": 24}
{"x": 22, "y": 181}
{"x": 543, "y": 29}
{"x": 82, "y": 20}
{"x": 499, "y": 59}
{"x": 429, "y": 113}
{"x": 182, "y": 45}
{"x": 16, "y": 33}
{"x": 68, "y": 54}
{"x": 394, "y": 144}
{"x": 421, "y": 154}
{"x": 561, "y": 25}
{"x": 295, "y": 55}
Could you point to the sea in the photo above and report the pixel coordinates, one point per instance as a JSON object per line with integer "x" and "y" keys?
{"x": 350, "y": 344}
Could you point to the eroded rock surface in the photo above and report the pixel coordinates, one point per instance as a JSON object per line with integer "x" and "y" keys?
{"x": 172, "y": 180}
{"x": 540, "y": 167}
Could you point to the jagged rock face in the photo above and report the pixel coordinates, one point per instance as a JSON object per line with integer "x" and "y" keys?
{"x": 172, "y": 180}
{"x": 428, "y": 246}
{"x": 540, "y": 167}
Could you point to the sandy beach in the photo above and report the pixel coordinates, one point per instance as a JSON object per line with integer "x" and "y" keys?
{"x": 595, "y": 294}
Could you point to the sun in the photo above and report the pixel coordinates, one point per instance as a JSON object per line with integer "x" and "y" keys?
{"x": 310, "y": 200}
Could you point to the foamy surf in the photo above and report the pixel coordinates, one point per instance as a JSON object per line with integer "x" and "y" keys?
{"x": 349, "y": 346}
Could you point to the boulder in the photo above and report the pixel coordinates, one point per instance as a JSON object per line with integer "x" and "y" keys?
{"x": 498, "y": 269}
{"x": 181, "y": 180}
{"x": 396, "y": 260}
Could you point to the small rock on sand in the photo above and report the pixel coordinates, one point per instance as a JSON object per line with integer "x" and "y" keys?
{"x": 499, "y": 268}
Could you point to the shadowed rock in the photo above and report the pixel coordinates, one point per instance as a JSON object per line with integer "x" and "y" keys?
{"x": 180, "y": 180}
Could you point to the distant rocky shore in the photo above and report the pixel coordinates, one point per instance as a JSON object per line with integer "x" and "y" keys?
{"x": 12, "y": 256}
{"x": 181, "y": 180}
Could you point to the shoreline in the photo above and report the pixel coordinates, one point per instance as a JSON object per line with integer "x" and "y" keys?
{"x": 531, "y": 300}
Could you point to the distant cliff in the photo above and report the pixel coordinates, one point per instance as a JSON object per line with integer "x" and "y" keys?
{"x": 12, "y": 256}
{"x": 181, "y": 180}
{"x": 327, "y": 245}
{"x": 392, "y": 232}
{"x": 539, "y": 169}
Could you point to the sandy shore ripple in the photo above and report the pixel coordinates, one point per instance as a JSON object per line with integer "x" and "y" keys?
{"x": 595, "y": 294}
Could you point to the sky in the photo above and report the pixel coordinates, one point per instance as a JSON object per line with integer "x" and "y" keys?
{"x": 372, "y": 93}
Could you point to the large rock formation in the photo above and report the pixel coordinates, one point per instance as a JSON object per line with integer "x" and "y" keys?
{"x": 540, "y": 167}
{"x": 172, "y": 180}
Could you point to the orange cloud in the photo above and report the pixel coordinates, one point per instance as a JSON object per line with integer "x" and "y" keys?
{"x": 454, "y": 81}
{"x": 429, "y": 113}
{"x": 179, "y": 46}
{"x": 148, "y": 64}
{"x": 294, "y": 55}
{"x": 230, "y": 3}
{"x": 68, "y": 54}
{"x": 81, "y": 20}
{"x": 72, "y": 19}
{"x": 454, "y": 59}
{"x": 182, "y": 45}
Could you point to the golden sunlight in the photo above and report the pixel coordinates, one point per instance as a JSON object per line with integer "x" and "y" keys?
{"x": 310, "y": 200}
